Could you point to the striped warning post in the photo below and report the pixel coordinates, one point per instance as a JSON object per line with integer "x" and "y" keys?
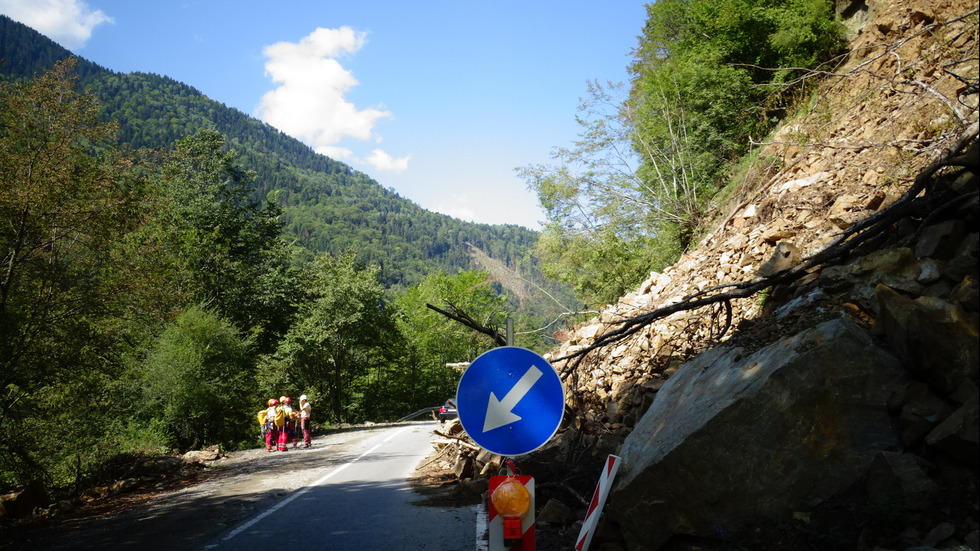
{"x": 598, "y": 500}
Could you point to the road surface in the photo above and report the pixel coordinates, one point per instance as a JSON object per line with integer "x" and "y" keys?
{"x": 361, "y": 502}
{"x": 349, "y": 492}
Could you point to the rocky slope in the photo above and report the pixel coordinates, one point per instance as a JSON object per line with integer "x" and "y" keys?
{"x": 852, "y": 376}
{"x": 806, "y": 377}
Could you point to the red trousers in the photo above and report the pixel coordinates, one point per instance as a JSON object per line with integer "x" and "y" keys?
{"x": 271, "y": 435}
{"x": 283, "y": 439}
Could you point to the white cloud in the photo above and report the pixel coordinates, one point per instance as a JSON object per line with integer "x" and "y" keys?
{"x": 383, "y": 161}
{"x": 335, "y": 152}
{"x": 462, "y": 205}
{"x": 488, "y": 203}
{"x": 67, "y": 22}
{"x": 309, "y": 103}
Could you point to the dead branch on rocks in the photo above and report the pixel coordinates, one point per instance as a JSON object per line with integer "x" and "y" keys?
{"x": 889, "y": 49}
{"x": 847, "y": 241}
{"x": 461, "y": 440}
{"x": 899, "y": 82}
{"x": 443, "y": 452}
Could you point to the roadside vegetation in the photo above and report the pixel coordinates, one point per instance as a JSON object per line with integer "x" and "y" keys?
{"x": 149, "y": 303}
{"x": 150, "y": 299}
{"x": 653, "y": 158}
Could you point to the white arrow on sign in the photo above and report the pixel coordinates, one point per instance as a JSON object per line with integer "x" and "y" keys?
{"x": 499, "y": 411}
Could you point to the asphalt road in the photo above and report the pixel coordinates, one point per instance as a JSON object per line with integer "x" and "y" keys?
{"x": 363, "y": 502}
{"x": 349, "y": 492}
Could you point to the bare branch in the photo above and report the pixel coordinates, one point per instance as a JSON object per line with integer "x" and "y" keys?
{"x": 462, "y": 317}
{"x": 847, "y": 241}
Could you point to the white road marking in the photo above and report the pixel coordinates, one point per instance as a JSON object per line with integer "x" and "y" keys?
{"x": 303, "y": 490}
{"x": 482, "y": 543}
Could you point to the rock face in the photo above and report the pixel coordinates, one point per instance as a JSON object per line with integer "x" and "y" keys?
{"x": 707, "y": 452}
{"x": 731, "y": 439}
{"x": 933, "y": 335}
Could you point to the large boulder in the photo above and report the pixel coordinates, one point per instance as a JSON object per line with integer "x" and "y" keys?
{"x": 735, "y": 439}
{"x": 936, "y": 338}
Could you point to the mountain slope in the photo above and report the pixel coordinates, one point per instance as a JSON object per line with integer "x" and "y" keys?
{"x": 328, "y": 206}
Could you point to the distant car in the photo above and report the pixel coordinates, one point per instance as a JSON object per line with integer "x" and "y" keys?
{"x": 448, "y": 410}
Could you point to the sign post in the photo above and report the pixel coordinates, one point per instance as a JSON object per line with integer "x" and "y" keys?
{"x": 510, "y": 401}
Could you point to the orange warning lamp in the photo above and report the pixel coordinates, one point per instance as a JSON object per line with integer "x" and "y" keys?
{"x": 511, "y": 499}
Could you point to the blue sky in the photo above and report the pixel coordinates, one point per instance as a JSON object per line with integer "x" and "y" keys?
{"x": 439, "y": 100}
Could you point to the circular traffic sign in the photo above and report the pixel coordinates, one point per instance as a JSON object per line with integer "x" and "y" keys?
{"x": 510, "y": 401}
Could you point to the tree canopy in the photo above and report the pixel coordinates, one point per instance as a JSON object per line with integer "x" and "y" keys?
{"x": 169, "y": 264}
{"x": 632, "y": 192}
{"x": 67, "y": 204}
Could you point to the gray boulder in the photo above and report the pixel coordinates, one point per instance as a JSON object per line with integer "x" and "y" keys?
{"x": 959, "y": 434}
{"x": 937, "y": 339}
{"x": 735, "y": 439}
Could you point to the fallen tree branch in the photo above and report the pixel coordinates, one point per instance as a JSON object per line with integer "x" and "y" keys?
{"x": 461, "y": 441}
{"x": 847, "y": 241}
{"x": 462, "y": 317}
{"x": 438, "y": 456}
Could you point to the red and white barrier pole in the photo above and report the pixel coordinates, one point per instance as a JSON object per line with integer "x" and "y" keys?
{"x": 598, "y": 500}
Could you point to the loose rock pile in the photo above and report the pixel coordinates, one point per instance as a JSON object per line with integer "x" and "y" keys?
{"x": 905, "y": 94}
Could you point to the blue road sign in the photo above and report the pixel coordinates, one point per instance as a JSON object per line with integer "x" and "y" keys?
{"x": 510, "y": 401}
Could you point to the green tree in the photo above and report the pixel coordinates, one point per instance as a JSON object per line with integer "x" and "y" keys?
{"x": 229, "y": 249}
{"x": 198, "y": 381}
{"x": 343, "y": 341}
{"x": 633, "y": 191}
{"x": 703, "y": 80}
{"x": 437, "y": 340}
{"x": 606, "y": 227}
{"x": 67, "y": 204}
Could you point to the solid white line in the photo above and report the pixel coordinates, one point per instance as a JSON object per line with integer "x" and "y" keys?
{"x": 481, "y": 528}
{"x": 302, "y": 491}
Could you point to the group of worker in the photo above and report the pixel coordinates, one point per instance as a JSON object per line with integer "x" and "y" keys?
{"x": 278, "y": 423}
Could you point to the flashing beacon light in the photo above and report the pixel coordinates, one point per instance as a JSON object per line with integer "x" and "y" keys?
{"x": 511, "y": 500}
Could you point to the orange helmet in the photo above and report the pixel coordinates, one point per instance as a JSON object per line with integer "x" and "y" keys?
{"x": 272, "y": 402}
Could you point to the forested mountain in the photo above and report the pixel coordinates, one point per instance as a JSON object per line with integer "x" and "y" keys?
{"x": 170, "y": 264}
{"x": 327, "y": 205}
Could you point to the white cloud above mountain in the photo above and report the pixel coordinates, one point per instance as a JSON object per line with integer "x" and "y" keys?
{"x": 309, "y": 102}
{"x": 67, "y": 22}
{"x": 383, "y": 161}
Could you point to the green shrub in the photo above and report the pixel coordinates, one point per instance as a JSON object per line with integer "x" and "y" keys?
{"x": 199, "y": 382}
